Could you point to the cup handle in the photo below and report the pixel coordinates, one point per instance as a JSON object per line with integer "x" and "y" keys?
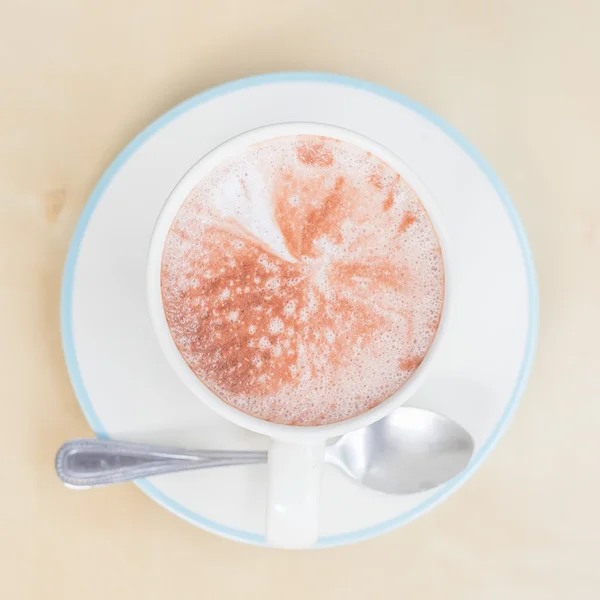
{"x": 293, "y": 493}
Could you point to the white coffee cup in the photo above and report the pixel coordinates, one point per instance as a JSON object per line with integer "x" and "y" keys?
{"x": 296, "y": 455}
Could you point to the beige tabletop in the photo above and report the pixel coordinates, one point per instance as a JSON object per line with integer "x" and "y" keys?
{"x": 521, "y": 79}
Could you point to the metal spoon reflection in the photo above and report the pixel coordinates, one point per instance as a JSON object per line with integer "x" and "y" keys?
{"x": 410, "y": 450}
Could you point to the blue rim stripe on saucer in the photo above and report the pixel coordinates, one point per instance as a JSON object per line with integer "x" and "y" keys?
{"x": 69, "y": 273}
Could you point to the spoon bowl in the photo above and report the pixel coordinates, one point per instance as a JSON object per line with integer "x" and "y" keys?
{"x": 410, "y": 450}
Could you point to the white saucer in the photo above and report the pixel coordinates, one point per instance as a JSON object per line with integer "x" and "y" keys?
{"x": 125, "y": 386}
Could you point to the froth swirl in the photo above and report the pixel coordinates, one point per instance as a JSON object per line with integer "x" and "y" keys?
{"x": 303, "y": 281}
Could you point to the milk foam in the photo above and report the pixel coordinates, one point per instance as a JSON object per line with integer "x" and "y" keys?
{"x": 303, "y": 280}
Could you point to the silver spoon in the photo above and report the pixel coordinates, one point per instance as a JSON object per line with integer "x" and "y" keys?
{"x": 410, "y": 450}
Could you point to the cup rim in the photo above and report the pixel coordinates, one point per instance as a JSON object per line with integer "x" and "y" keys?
{"x": 161, "y": 229}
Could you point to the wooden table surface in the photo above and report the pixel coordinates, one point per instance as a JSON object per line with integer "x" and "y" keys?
{"x": 520, "y": 79}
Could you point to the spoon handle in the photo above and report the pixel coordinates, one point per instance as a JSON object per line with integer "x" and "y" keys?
{"x": 86, "y": 463}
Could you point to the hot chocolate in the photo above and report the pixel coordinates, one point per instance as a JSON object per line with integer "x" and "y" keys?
{"x": 302, "y": 280}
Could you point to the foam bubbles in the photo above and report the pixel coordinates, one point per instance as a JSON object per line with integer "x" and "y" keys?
{"x": 276, "y": 326}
